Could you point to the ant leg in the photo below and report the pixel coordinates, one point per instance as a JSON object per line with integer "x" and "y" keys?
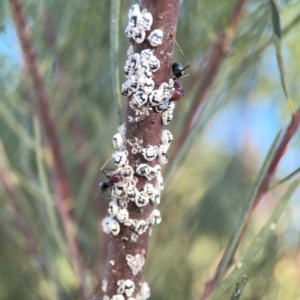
{"x": 99, "y": 194}
{"x": 182, "y": 55}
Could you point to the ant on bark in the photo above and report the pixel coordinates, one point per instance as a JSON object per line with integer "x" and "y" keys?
{"x": 178, "y": 72}
{"x": 112, "y": 179}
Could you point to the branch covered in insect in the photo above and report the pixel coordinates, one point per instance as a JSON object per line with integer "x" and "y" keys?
{"x": 141, "y": 146}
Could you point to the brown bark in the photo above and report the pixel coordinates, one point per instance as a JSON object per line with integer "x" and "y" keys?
{"x": 165, "y": 16}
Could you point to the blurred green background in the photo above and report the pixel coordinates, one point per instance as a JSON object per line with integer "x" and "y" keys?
{"x": 205, "y": 193}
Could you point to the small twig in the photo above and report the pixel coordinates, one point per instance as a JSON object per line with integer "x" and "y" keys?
{"x": 61, "y": 182}
{"x": 285, "y": 179}
{"x": 262, "y": 189}
{"x": 114, "y": 52}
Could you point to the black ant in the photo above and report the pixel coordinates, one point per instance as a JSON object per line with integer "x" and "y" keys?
{"x": 177, "y": 68}
{"x": 178, "y": 72}
{"x": 112, "y": 179}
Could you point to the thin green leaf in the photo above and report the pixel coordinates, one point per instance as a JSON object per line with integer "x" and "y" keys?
{"x": 259, "y": 241}
{"x": 231, "y": 248}
{"x": 50, "y": 207}
{"x": 278, "y": 48}
{"x": 193, "y": 136}
{"x": 275, "y": 18}
{"x": 114, "y": 50}
{"x": 10, "y": 120}
{"x": 239, "y": 288}
{"x": 285, "y": 179}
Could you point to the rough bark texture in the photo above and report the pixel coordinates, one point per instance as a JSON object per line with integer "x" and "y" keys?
{"x": 165, "y": 16}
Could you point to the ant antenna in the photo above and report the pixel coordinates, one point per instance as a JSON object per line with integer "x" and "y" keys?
{"x": 105, "y": 169}
{"x": 182, "y": 55}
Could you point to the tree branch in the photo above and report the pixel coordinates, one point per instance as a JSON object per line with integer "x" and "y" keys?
{"x": 165, "y": 16}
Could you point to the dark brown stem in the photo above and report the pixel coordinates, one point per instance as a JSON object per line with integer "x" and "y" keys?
{"x": 263, "y": 188}
{"x": 165, "y": 17}
{"x": 218, "y": 52}
{"x": 61, "y": 183}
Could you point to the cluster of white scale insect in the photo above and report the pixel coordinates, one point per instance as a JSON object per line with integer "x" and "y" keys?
{"x": 140, "y": 87}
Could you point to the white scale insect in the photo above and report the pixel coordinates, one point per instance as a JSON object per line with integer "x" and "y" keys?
{"x": 136, "y": 262}
{"x": 156, "y": 196}
{"x": 113, "y": 208}
{"x": 166, "y": 138}
{"x": 131, "y": 193}
{"x": 117, "y": 297}
{"x": 155, "y": 97}
{"x": 155, "y": 37}
{"x": 117, "y": 141}
{"x": 148, "y": 190}
{"x": 130, "y": 51}
{"x": 117, "y": 191}
{"x": 146, "y": 54}
{"x": 150, "y": 152}
{"x": 134, "y": 83}
{"x": 110, "y": 225}
{"x": 163, "y": 104}
{"x": 148, "y": 86}
{"x": 146, "y": 21}
{"x": 135, "y": 60}
{"x": 120, "y": 158}
{"x": 123, "y": 215}
{"x": 126, "y": 287}
{"x": 122, "y": 130}
{"x": 162, "y": 154}
{"x": 154, "y": 63}
{"x": 127, "y": 174}
{"x": 152, "y": 192}
{"x": 167, "y": 117}
{"x": 126, "y": 88}
{"x": 139, "y": 22}
{"x": 160, "y": 182}
{"x": 141, "y": 227}
{"x": 142, "y": 200}
{"x": 129, "y": 222}
{"x": 147, "y": 171}
{"x": 144, "y": 291}
{"x": 139, "y": 99}
{"x": 155, "y": 217}
{"x": 146, "y": 194}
